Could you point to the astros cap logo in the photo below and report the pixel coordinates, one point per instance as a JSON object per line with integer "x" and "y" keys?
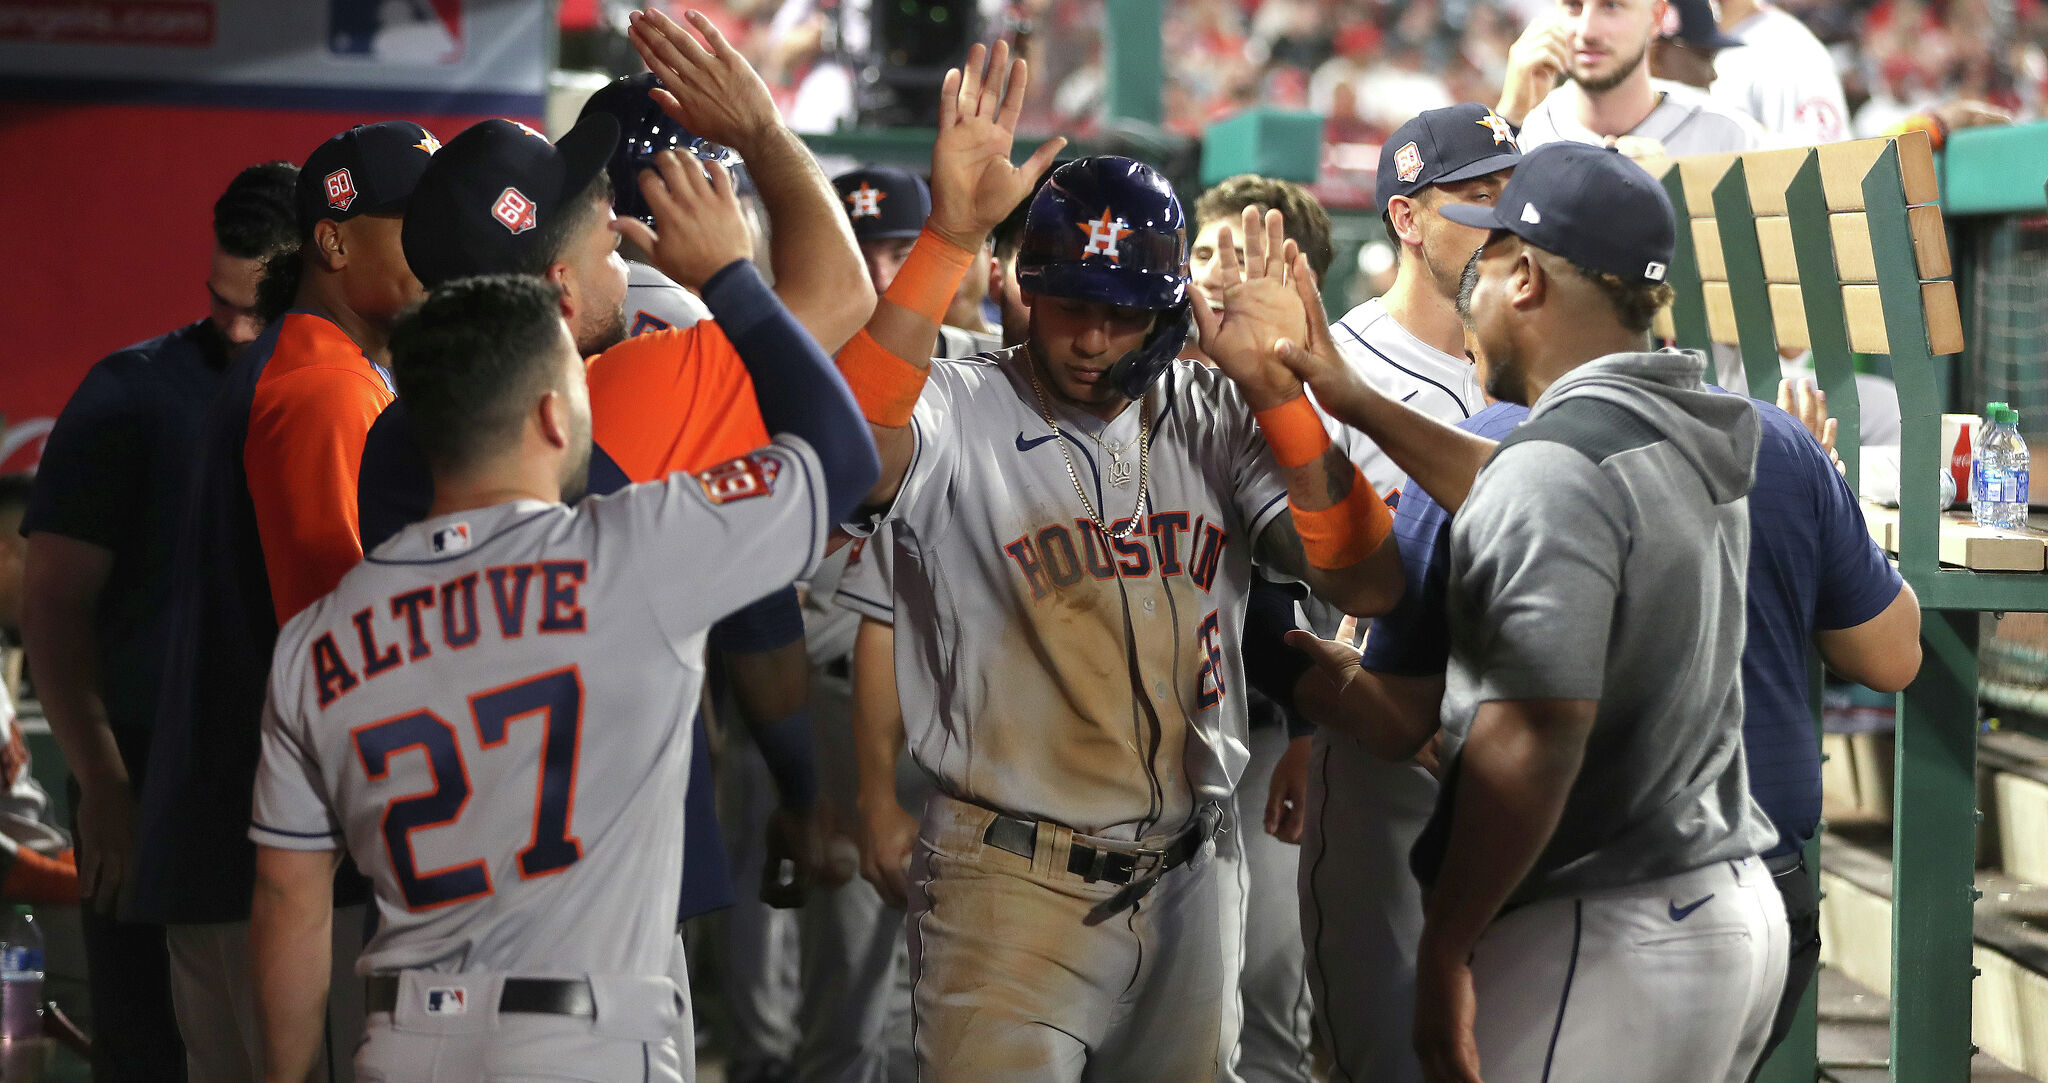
{"x": 513, "y": 210}
{"x": 341, "y": 189}
{"x": 427, "y": 142}
{"x": 867, "y": 202}
{"x": 1501, "y": 132}
{"x": 1103, "y": 234}
{"x": 1408, "y": 163}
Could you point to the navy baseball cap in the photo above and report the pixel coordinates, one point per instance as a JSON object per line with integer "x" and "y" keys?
{"x": 1590, "y": 205}
{"x": 478, "y": 208}
{"x": 369, "y": 169}
{"x": 1457, "y": 142}
{"x": 1692, "y": 22}
{"x": 884, "y": 202}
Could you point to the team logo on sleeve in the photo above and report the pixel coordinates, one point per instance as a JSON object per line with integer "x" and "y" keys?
{"x": 1498, "y": 125}
{"x": 453, "y": 1000}
{"x": 743, "y": 478}
{"x": 867, "y": 202}
{"x": 1408, "y": 163}
{"x": 341, "y": 189}
{"x": 1103, "y": 234}
{"x": 645, "y": 321}
{"x": 513, "y": 210}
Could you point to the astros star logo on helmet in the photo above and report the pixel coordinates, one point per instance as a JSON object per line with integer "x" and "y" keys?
{"x": 867, "y": 202}
{"x": 513, "y": 210}
{"x": 1103, "y": 234}
{"x": 1501, "y": 132}
{"x": 341, "y": 189}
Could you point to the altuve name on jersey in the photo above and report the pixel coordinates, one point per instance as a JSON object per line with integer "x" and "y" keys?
{"x": 1050, "y": 559}
{"x": 377, "y": 642}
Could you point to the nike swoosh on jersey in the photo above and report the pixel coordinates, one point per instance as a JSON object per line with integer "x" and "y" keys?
{"x": 1680, "y": 913}
{"x": 1027, "y": 445}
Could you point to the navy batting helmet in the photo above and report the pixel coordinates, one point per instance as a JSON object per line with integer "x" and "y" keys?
{"x": 1110, "y": 229}
{"x": 645, "y": 131}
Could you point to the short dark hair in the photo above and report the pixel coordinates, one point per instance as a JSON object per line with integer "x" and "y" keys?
{"x": 1308, "y": 224}
{"x": 552, "y": 236}
{"x": 1636, "y": 304}
{"x": 471, "y": 358}
{"x": 15, "y": 490}
{"x": 256, "y": 217}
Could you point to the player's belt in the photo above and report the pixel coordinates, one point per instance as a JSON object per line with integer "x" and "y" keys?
{"x": 530, "y": 996}
{"x": 1098, "y": 863}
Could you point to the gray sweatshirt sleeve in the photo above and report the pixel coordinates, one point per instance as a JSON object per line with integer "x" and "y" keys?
{"x": 1539, "y": 547}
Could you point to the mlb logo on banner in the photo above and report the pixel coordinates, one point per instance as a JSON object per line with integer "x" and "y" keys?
{"x": 341, "y": 189}
{"x": 513, "y": 210}
{"x": 448, "y": 1001}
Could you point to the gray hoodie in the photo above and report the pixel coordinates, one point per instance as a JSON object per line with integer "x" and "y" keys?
{"x": 1602, "y": 555}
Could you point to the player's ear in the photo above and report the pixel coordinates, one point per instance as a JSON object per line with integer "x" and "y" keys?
{"x": 1401, "y": 215}
{"x": 1529, "y": 280}
{"x": 552, "y": 412}
{"x": 559, "y": 276}
{"x": 330, "y": 245}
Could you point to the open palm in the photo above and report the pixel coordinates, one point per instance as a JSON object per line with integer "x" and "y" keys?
{"x": 1261, "y": 309}
{"x": 974, "y": 185}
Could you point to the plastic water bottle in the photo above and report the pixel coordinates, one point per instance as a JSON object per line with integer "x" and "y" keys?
{"x": 21, "y": 977}
{"x": 1999, "y": 482}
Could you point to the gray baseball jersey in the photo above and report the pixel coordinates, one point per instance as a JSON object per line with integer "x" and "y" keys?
{"x": 493, "y": 713}
{"x": 1685, "y": 120}
{"x": 655, "y": 302}
{"x": 1046, "y": 669}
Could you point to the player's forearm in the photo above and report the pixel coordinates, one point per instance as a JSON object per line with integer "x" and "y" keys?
{"x": 1392, "y": 715}
{"x": 795, "y": 383}
{"x": 877, "y": 711}
{"x": 1514, "y": 774}
{"x": 1337, "y": 532}
{"x": 818, "y": 269}
{"x": 1442, "y": 459}
{"x": 291, "y": 921}
{"x": 62, "y": 582}
{"x": 887, "y": 363}
{"x": 773, "y": 689}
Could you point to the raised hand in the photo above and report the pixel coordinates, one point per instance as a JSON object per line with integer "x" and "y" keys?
{"x": 1810, "y": 405}
{"x": 1261, "y": 309}
{"x": 699, "y": 227}
{"x": 974, "y": 186}
{"x": 1314, "y": 358}
{"x": 1536, "y": 61}
{"x": 712, "y": 90}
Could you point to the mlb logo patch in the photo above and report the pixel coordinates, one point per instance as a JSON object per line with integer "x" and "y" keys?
{"x": 513, "y": 210}
{"x": 867, "y": 202}
{"x": 1654, "y": 272}
{"x": 341, "y": 189}
{"x": 451, "y": 539}
{"x": 1103, "y": 235}
{"x": 1408, "y": 163}
{"x": 741, "y": 479}
{"x": 452, "y": 1000}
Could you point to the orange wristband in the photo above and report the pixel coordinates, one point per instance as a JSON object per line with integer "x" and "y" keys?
{"x": 1295, "y": 432}
{"x": 1349, "y": 530}
{"x": 885, "y": 385}
{"x": 930, "y": 276}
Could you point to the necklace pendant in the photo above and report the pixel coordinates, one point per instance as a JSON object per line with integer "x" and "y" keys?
{"x": 1119, "y": 473}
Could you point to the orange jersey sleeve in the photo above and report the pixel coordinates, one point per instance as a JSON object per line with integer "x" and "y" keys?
{"x": 306, "y": 431}
{"x": 673, "y": 400}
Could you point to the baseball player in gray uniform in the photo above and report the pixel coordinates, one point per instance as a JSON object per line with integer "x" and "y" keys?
{"x": 1596, "y": 908}
{"x": 1076, "y": 521}
{"x": 1361, "y": 909}
{"x": 430, "y": 714}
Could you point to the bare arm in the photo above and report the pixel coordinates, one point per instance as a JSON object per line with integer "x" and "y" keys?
{"x": 887, "y": 830}
{"x": 291, "y": 926}
{"x": 63, "y": 578}
{"x": 974, "y": 187}
{"x": 1516, "y": 769}
{"x": 1882, "y": 653}
{"x": 1394, "y": 715}
{"x": 1443, "y": 459}
{"x": 713, "y": 92}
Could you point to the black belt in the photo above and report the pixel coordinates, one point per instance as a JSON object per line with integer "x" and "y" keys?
{"x": 531, "y": 996}
{"x": 1094, "y": 863}
{"x": 1785, "y": 863}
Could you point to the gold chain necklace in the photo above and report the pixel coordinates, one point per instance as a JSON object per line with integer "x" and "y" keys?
{"x": 1144, "y": 459}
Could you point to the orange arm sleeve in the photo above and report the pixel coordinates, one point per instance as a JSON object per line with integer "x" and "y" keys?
{"x": 673, "y": 400}
{"x": 306, "y": 431}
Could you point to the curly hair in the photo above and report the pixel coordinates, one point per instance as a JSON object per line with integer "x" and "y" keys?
{"x": 1308, "y": 224}
{"x": 1636, "y": 304}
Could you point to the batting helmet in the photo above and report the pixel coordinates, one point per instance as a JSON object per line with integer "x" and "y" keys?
{"x": 1110, "y": 229}
{"x": 645, "y": 131}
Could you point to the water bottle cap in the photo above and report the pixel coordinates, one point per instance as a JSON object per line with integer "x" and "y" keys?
{"x": 2011, "y": 416}
{"x": 1991, "y": 409}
